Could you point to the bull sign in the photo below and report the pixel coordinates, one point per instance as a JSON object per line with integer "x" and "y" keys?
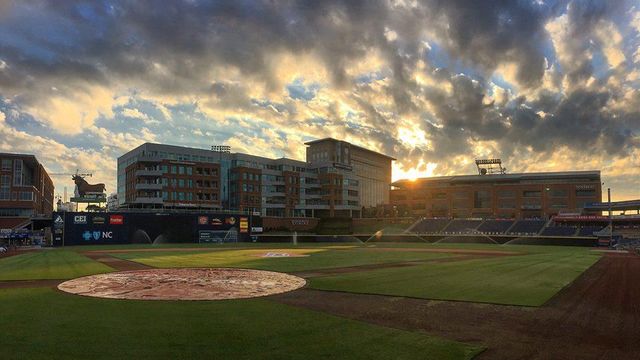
{"x": 86, "y": 192}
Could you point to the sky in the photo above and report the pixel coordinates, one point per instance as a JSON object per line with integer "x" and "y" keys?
{"x": 543, "y": 85}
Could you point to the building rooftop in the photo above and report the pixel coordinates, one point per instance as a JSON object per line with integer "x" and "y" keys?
{"x": 352, "y": 145}
{"x": 29, "y": 158}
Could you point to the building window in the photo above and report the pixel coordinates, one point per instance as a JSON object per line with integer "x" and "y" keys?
{"x": 482, "y": 199}
{"x": 6, "y": 165}
{"x": 17, "y": 173}
{"x": 558, "y": 193}
{"x": 189, "y": 170}
{"x": 461, "y": 195}
{"x": 181, "y": 170}
{"x": 460, "y": 204}
{"x": 531, "y": 193}
{"x": 5, "y": 187}
{"x": 585, "y": 193}
{"x": 440, "y": 195}
{"x": 26, "y": 196}
{"x": 506, "y": 194}
{"x": 181, "y": 183}
{"x": 507, "y": 204}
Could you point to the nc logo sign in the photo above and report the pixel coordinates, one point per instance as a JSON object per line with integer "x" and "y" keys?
{"x": 97, "y": 235}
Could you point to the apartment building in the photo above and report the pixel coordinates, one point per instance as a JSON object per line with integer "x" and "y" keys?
{"x": 167, "y": 176}
{"x": 25, "y": 189}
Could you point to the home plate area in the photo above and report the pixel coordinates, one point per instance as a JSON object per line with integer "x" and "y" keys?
{"x": 183, "y": 284}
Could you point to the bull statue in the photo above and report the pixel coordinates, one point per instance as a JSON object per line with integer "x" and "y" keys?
{"x": 84, "y": 188}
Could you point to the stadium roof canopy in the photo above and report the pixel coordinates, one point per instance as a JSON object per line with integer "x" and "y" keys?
{"x": 496, "y": 178}
{"x": 615, "y": 205}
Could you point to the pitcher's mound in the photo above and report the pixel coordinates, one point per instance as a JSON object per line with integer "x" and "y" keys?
{"x": 183, "y": 284}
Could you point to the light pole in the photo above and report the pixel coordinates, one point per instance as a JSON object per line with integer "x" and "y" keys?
{"x": 610, "y": 217}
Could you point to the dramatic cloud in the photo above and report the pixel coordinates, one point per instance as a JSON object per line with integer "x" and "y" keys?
{"x": 546, "y": 85}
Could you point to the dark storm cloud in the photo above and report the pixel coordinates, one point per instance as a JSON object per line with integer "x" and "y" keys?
{"x": 175, "y": 48}
{"x": 487, "y": 33}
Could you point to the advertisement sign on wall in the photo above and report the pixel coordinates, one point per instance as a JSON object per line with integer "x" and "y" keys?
{"x": 116, "y": 219}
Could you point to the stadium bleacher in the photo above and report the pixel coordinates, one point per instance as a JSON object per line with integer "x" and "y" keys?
{"x": 525, "y": 231}
{"x": 559, "y": 231}
{"x": 589, "y": 230}
{"x": 527, "y": 227}
{"x": 426, "y": 226}
{"x": 495, "y": 226}
{"x": 462, "y": 226}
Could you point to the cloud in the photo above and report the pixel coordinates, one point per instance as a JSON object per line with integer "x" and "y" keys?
{"x": 434, "y": 83}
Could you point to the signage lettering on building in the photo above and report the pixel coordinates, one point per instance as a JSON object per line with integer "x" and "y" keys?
{"x": 585, "y": 187}
{"x": 116, "y": 219}
{"x": 80, "y": 219}
{"x": 299, "y": 222}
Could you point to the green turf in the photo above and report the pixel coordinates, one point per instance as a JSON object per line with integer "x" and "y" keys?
{"x": 49, "y": 264}
{"x": 319, "y": 258}
{"x": 44, "y": 324}
{"x": 519, "y": 280}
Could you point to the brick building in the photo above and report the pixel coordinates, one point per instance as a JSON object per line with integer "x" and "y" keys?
{"x": 337, "y": 180}
{"x": 25, "y": 189}
{"x": 528, "y": 195}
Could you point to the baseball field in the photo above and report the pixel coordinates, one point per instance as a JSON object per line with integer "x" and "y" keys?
{"x": 362, "y": 301}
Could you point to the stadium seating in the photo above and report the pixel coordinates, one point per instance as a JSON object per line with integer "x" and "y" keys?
{"x": 457, "y": 226}
{"x": 527, "y": 227}
{"x": 559, "y": 231}
{"x": 495, "y": 226}
{"x": 589, "y": 230}
{"x": 426, "y": 226}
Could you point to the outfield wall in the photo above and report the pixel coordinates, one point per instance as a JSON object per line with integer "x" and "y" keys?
{"x": 102, "y": 228}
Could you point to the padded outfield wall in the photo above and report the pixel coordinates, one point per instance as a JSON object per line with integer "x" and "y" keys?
{"x": 102, "y": 228}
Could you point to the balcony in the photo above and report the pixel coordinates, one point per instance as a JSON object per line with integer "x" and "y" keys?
{"x": 148, "y": 186}
{"x": 149, "y": 172}
{"x": 148, "y": 200}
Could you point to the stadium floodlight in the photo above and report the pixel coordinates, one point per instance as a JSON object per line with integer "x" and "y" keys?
{"x": 221, "y": 148}
{"x": 490, "y": 166}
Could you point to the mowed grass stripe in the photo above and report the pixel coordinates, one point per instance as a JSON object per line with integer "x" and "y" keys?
{"x": 74, "y": 327}
{"x": 317, "y": 259}
{"x": 517, "y": 280}
{"x": 49, "y": 264}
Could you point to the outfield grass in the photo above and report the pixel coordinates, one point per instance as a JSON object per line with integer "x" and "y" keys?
{"x": 49, "y": 264}
{"x": 44, "y": 324}
{"x": 518, "y": 280}
{"x": 319, "y": 258}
